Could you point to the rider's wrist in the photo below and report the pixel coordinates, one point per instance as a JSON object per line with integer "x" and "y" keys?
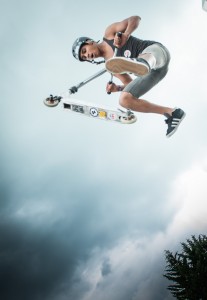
{"x": 120, "y": 88}
{"x": 127, "y": 34}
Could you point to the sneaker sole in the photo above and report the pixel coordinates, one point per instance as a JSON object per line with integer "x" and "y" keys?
{"x": 118, "y": 65}
{"x": 172, "y": 132}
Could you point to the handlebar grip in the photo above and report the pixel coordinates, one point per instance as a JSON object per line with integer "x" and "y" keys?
{"x": 119, "y": 34}
{"x": 73, "y": 89}
{"x": 110, "y": 82}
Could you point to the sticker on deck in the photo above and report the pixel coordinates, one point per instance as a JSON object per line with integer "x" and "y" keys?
{"x": 94, "y": 112}
{"x": 113, "y": 116}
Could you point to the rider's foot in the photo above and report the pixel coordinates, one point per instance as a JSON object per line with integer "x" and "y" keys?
{"x": 174, "y": 121}
{"x": 121, "y": 65}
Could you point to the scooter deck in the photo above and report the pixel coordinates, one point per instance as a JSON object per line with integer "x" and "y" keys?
{"x": 98, "y": 111}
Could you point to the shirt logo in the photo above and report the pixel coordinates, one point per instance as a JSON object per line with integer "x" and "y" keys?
{"x": 127, "y": 53}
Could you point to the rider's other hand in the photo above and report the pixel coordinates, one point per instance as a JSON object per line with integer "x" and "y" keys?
{"x": 111, "y": 87}
{"x": 119, "y": 41}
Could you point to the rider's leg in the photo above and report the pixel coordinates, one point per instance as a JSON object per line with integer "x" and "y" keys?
{"x": 140, "y": 105}
{"x": 132, "y": 93}
{"x": 156, "y": 55}
{"x": 149, "y": 58}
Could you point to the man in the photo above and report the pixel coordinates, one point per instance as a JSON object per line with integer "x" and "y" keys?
{"x": 148, "y": 60}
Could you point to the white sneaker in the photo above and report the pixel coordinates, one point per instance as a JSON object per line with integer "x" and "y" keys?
{"x": 121, "y": 65}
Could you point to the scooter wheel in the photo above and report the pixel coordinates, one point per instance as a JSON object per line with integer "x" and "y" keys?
{"x": 129, "y": 119}
{"x": 52, "y": 101}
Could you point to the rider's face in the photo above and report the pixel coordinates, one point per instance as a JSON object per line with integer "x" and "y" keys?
{"x": 89, "y": 51}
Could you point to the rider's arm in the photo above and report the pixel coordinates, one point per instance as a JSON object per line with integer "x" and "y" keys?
{"x": 127, "y": 26}
{"x": 124, "y": 78}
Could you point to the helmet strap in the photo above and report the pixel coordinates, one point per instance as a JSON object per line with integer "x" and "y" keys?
{"x": 95, "y": 62}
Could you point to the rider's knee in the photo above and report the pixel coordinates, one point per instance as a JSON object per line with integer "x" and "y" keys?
{"x": 125, "y": 100}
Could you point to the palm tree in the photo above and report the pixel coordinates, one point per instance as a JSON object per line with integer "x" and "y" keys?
{"x": 188, "y": 270}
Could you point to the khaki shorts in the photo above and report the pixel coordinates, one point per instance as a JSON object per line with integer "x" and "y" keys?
{"x": 141, "y": 85}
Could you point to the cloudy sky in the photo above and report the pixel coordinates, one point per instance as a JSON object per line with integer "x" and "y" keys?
{"x": 88, "y": 207}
